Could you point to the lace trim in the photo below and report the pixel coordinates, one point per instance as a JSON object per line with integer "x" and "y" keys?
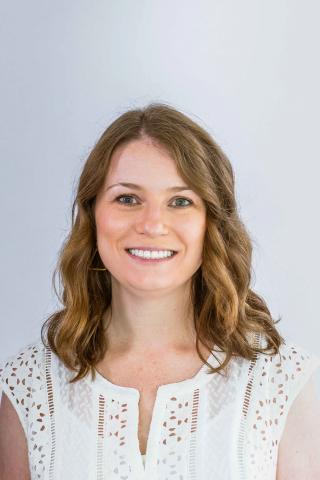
{"x": 100, "y": 440}
{"x": 194, "y": 424}
{"x": 245, "y": 407}
{"x": 48, "y": 362}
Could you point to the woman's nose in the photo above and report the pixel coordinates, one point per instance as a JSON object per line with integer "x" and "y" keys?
{"x": 153, "y": 220}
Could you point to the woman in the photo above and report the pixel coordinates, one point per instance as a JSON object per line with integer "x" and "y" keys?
{"x": 179, "y": 369}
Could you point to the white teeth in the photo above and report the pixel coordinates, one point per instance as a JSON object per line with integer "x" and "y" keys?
{"x": 151, "y": 254}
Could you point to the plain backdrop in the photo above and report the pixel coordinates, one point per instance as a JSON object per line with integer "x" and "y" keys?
{"x": 247, "y": 71}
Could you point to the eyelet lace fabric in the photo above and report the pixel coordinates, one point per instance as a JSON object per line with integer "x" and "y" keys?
{"x": 213, "y": 426}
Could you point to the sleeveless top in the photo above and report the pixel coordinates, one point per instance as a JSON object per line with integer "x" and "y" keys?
{"x": 211, "y": 426}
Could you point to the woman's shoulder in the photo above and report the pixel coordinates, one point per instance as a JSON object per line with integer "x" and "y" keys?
{"x": 293, "y": 361}
{"x": 273, "y": 383}
{"x": 26, "y": 360}
{"x": 22, "y": 377}
{"x": 266, "y": 388}
{"x": 280, "y": 377}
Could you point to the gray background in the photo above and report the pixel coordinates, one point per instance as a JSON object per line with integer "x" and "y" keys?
{"x": 247, "y": 71}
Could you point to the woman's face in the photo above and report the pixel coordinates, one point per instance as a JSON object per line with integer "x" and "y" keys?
{"x": 151, "y": 216}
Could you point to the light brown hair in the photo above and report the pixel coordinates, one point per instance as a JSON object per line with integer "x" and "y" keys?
{"x": 226, "y": 310}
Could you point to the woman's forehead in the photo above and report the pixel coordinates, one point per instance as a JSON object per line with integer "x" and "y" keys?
{"x": 143, "y": 167}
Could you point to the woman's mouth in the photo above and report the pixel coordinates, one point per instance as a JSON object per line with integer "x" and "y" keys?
{"x": 151, "y": 256}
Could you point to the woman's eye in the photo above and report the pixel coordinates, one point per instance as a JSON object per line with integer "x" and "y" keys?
{"x": 184, "y": 199}
{"x": 131, "y": 204}
{"x": 124, "y": 196}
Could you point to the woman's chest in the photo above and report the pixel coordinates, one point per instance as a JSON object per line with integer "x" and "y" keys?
{"x": 147, "y": 381}
{"x": 198, "y": 430}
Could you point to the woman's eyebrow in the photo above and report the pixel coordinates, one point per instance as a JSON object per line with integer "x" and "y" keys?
{"x": 139, "y": 187}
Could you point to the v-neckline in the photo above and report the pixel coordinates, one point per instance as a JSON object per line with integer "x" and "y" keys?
{"x": 164, "y": 393}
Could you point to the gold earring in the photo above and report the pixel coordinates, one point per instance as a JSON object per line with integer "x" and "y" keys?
{"x": 94, "y": 268}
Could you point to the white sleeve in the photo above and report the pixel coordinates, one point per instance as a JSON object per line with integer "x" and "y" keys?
{"x": 16, "y": 380}
{"x": 291, "y": 371}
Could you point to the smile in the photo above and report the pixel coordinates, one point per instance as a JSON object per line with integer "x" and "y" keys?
{"x": 147, "y": 256}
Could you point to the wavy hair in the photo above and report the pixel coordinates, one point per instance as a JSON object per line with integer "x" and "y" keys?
{"x": 227, "y": 312}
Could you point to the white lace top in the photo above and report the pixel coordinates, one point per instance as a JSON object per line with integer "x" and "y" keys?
{"x": 212, "y": 426}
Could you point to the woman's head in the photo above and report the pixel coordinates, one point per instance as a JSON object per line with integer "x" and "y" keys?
{"x": 157, "y": 147}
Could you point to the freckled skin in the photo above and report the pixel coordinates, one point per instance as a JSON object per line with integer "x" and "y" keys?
{"x": 156, "y": 219}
